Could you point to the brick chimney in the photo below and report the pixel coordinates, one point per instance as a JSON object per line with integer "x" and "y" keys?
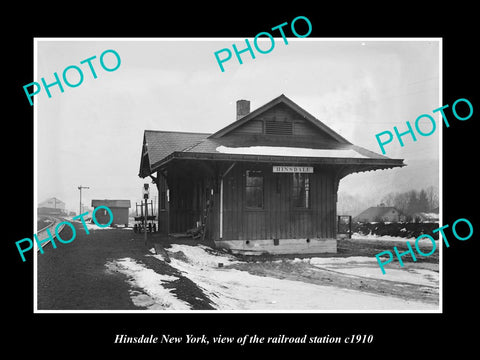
{"x": 243, "y": 108}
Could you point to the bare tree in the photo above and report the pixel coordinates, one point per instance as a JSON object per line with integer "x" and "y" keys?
{"x": 423, "y": 204}
{"x": 389, "y": 199}
{"x": 402, "y": 201}
{"x": 432, "y": 197}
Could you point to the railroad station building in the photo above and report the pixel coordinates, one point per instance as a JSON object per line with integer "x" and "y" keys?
{"x": 266, "y": 182}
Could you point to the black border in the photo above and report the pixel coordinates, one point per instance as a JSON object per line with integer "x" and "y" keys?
{"x": 93, "y": 333}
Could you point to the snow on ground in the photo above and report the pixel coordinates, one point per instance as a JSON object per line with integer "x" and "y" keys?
{"x": 232, "y": 289}
{"x": 154, "y": 296}
{"x": 357, "y": 236}
{"x": 368, "y": 267}
{"x": 199, "y": 256}
{"x": 91, "y": 226}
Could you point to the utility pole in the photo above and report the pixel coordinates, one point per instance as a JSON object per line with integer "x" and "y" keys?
{"x": 80, "y": 188}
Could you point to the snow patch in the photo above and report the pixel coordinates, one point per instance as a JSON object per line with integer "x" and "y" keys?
{"x": 368, "y": 267}
{"x": 357, "y": 236}
{"x": 199, "y": 256}
{"x": 290, "y": 151}
{"x": 154, "y": 295}
{"x": 92, "y": 226}
{"x": 232, "y": 289}
{"x": 342, "y": 260}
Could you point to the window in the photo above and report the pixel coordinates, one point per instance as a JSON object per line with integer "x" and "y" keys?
{"x": 301, "y": 191}
{"x": 254, "y": 189}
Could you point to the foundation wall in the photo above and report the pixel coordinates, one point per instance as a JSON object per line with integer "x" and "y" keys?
{"x": 280, "y": 246}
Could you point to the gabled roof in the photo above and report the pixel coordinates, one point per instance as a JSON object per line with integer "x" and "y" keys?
{"x": 376, "y": 211}
{"x": 49, "y": 200}
{"x": 161, "y": 147}
{"x": 282, "y": 99}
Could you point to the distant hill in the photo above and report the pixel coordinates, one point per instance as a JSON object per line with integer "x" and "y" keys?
{"x": 418, "y": 174}
{"x": 359, "y": 191}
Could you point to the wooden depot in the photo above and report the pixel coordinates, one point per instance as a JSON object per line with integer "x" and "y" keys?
{"x": 266, "y": 182}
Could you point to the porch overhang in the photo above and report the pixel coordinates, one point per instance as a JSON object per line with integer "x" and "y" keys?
{"x": 349, "y": 165}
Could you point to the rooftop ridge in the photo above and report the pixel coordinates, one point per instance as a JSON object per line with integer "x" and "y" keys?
{"x": 178, "y": 132}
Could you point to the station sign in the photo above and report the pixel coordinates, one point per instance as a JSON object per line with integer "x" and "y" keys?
{"x": 293, "y": 169}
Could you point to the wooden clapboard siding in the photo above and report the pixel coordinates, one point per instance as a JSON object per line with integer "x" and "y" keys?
{"x": 251, "y": 127}
{"x": 279, "y": 218}
{"x": 303, "y": 128}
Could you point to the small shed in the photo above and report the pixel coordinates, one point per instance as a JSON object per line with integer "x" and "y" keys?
{"x": 119, "y": 210}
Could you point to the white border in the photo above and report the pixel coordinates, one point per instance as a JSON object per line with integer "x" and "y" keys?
{"x": 215, "y": 312}
{"x": 440, "y": 177}
{"x": 35, "y": 177}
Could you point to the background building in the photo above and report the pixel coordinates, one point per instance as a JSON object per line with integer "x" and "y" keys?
{"x": 380, "y": 213}
{"x": 51, "y": 206}
{"x": 119, "y": 210}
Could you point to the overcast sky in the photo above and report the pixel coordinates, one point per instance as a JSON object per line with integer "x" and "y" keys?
{"x": 92, "y": 135}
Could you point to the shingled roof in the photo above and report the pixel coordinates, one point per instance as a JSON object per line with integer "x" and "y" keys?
{"x": 161, "y": 147}
{"x": 160, "y": 144}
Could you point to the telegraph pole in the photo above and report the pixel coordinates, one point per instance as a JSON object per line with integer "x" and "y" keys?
{"x": 80, "y": 188}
